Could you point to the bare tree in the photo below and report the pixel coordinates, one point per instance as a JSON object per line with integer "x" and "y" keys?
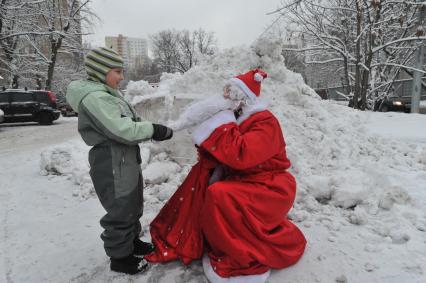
{"x": 62, "y": 20}
{"x": 140, "y": 69}
{"x": 371, "y": 40}
{"x": 35, "y": 33}
{"x": 16, "y": 37}
{"x": 165, "y": 49}
{"x": 179, "y": 50}
{"x": 186, "y": 47}
{"x": 205, "y": 41}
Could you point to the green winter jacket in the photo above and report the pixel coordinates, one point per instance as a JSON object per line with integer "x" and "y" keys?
{"x": 109, "y": 124}
{"x": 105, "y": 115}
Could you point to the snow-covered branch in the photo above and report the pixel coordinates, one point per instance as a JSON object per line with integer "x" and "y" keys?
{"x": 287, "y": 6}
{"x": 325, "y": 61}
{"x": 34, "y": 33}
{"x": 26, "y": 33}
{"x": 398, "y": 41}
{"x": 369, "y": 41}
{"x": 24, "y": 4}
{"x": 399, "y": 65}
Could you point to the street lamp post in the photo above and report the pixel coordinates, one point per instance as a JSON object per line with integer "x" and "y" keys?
{"x": 417, "y": 81}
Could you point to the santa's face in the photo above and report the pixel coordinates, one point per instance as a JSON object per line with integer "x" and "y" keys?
{"x": 234, "y": 93}
{"x": 227, "y": 91}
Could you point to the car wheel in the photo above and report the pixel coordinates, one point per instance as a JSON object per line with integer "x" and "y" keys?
{"x": 45, "y": 118}
{"x": 384, "y": 108}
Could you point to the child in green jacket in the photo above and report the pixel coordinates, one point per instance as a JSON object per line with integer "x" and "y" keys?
{"x": 110, "y": 125}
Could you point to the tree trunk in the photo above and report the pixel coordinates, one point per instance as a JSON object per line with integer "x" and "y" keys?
{"x": 358, "y": 55}
{"x": 347, "y": 81}
{"x": 55, "y": 45}
{"x": 368, "y": 51}
{"x": 15, "y": 81}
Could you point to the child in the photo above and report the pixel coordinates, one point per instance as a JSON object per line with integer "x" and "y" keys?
{"x": 110, "y": 125}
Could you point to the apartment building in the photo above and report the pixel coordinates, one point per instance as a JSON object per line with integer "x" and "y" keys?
{"x": 132, "y": 49}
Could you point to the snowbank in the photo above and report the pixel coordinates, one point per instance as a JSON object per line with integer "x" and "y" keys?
{"x": 361, "y": 192}
{"x": 136, "y": 90}
{"x": 70, "y": 160}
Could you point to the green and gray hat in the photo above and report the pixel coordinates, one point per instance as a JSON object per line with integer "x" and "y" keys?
{"x": 99, "y": 61}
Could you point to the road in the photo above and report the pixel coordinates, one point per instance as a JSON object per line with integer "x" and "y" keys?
{"x": 47, "y": 234}
{"x": 41, "y": 224}
{"x": 20, "y": 137}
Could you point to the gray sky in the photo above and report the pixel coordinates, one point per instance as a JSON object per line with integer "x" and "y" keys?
{"x": 235, "y": 22}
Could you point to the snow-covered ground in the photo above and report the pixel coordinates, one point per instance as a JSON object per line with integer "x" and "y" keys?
{"x": 361, "y": 198}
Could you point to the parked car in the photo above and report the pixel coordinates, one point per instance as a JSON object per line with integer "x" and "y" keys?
{"x": 66, "y": 110}
{"x": 1, "y": 116}
{"x": 396, "y": 103}
{"x": 21, "y": 105}
{"x": 45, "y": 96}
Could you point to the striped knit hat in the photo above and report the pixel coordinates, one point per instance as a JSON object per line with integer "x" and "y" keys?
{"x": 99, "y": 61}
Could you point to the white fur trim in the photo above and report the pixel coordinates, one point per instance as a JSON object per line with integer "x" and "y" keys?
{"x": 244, "y": 88}
{"x": 204, "y": 130}
{"x": 249, "y": 110}
{"x": 201, "y": 110}
{"x": 258, "y": 77}
{"x": 213, "y": 277}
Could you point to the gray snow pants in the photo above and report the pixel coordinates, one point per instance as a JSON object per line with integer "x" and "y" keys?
{"x": 117, "y": 178}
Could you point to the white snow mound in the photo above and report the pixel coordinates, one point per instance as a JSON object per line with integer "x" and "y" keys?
{"x": 159, "y": 172}
{"x": 361, "y": 192}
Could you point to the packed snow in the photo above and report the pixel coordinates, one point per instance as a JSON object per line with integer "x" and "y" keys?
{"x": 360, "y": 202}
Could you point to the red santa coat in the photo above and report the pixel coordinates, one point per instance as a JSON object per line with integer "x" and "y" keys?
{"x": 240, "y": 220}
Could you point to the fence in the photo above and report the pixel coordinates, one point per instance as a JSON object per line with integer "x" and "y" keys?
{"x": 401, "y": 88}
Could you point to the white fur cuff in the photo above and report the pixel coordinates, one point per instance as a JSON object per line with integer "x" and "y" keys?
{"x": 213, "y": 277}
{"x": 204, "y": 130}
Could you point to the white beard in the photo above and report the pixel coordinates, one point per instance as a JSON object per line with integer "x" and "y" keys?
{"x": 201, "y": 110}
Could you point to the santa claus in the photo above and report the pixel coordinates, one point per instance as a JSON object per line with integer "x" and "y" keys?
{"x": 231, "y": 210}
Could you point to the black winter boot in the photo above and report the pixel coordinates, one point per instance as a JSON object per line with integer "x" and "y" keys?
{"x": 129, "y": 264}
{"x": 142, "y": 248}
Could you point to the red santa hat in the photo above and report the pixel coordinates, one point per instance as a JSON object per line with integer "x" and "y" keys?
{"x": 250, "y": 82}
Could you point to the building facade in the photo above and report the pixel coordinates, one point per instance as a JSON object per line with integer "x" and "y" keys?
{"x": 132, "y": 49}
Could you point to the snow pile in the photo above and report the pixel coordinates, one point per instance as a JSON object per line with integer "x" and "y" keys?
{"x": 56, "y": 161}
{"x": 361, "y": 195}
{"x": 69, "y": 160}
{"x": 135, "y": 90}
{"x": 357, "y": 200}
{"x": 160, "y": 172}
{"x": 157, "y": 166}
